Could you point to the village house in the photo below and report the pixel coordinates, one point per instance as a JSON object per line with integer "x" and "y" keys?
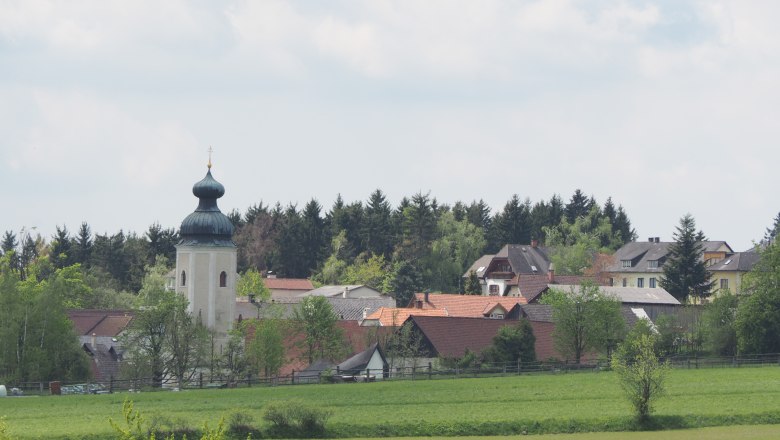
{"x": 640, "y": 264}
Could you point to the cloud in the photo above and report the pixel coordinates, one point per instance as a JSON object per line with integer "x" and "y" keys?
{"x": 75, "y": 132}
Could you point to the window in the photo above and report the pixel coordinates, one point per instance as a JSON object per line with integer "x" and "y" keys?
{"x": 493, "y": 289}
{"x": 625, "y": 263}
{"x": 625, "y": 282}
{"x": 653, "y": 264}
{"x": 497, "y": 316}
{"x": 652, "y": 283}
{"x": 724, "y": 284}
{"x": 640, "y": 282}
{"x": 223, "y": 279}
{"x": 183, "y": 278}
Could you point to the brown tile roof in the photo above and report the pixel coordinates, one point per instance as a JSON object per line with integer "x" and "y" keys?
{"x": 395, "y": 317}
{"x": 100, "y": 322}
{"x": 466, "y": 306}
{"x": 451, "y": 336}
{"x": 288, "y": 283}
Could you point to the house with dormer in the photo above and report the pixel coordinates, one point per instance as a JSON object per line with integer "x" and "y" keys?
{"x": 729, "y": 272}
{"x": 498, "y": 274}
{"x": 640, "y": 264}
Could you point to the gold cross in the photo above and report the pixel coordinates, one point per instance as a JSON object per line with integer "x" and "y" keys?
{"x": 211, "y": 150}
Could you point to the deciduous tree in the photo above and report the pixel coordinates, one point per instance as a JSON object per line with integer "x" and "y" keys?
{"x": 641, "y": 374}
{"x": 513, "y": 343}
{"x": 586, "y": 320}
{"x": 316, "y": 322}
{"x": 758, "y": 315}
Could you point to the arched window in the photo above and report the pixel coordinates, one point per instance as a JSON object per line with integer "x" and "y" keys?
{"x": 223, "y": 279}
{"x": 183, "y": 278}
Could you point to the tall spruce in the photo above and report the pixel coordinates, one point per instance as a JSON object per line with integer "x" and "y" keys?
{"x": 9, "y": 245}
{"x": 578, "y": 206}
{"x": 313, "y": 236}
{"x": 60, "y": 252}
{"x": 685, "y": 275}
{"x": 512, "y": 224}
{"x": 377, "y": 228}
{"x": 83, "y": 251}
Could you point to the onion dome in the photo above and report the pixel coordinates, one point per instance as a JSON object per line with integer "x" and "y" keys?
{"x": 207, "y": 225}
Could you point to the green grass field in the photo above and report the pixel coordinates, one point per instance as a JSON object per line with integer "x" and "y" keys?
{"x": 503, "y": 405}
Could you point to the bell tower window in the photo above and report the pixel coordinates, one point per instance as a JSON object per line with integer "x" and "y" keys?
{"x": 183, "y": 278}
{"x": 223, "y": 279}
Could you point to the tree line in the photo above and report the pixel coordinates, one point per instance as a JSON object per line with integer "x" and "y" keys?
{"x": 420, "y": 244}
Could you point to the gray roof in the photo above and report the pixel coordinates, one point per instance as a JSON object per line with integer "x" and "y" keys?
{"x": 739, "y": 261}
{"x": 483, "y": 262}
{"x": 543, "y": 313}
{"x": 525, "y": 258}
{"x": 642, "y": 252}
{"x": 331, "y": 291}
{"x": 537, "y": 312}
{"x": 347, "y": 309}
{"x": 359, "y": 361}
{"x": 630, "y": 295}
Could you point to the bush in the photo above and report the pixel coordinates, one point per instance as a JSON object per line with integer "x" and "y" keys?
{"x": 240, "y": 424}
{"x": 296, "y": 418}
{"x": 641, "y": 374}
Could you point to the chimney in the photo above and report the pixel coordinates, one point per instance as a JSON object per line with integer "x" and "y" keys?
{"x": 419, "y": 304}
{"x": 534, "y": 243}
{"x": 94, "y": 340}
{"x": 551, "y": 273}
{"x": 426, "y": 296}
{"x": 365, "y": 312}
{"x": 657, "y": 239}
{"x": 651, "y": 239}
{"x": 270, "y": 275}
{"x": 346, "y": 290}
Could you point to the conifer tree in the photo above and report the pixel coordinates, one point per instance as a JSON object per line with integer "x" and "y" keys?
{"x": 60, "y": 249}
{"x": 377, "y": 226}
{"x": 579, "y": 205}
{"x": 472, "y": 286}
{"x": 83, "y": 251}
{"x": 685, "y": 276}
{"x": 512, "y": 224}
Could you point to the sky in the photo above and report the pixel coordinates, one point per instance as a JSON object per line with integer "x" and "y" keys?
{"x": 108, "y": 108}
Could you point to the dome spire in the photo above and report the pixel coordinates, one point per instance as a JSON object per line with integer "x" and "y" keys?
{"x": 211, "y": 150}
{"x": 207, "y": 225}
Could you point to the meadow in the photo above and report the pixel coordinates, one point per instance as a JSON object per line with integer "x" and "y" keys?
{"x": 534, "y": 404}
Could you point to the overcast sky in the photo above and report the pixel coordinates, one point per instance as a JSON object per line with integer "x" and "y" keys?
{"x": 107, "y": 108}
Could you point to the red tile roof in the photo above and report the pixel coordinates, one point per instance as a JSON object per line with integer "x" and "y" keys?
{"x": 465, "y": 306}
{"x": 395, "y": 317}
{"x": 288, "y": 283}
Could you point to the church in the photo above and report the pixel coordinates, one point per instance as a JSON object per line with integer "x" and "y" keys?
{"x": 206, "y": 260}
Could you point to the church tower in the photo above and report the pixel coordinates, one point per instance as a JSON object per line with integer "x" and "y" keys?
{"x": 206, "y": 261}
